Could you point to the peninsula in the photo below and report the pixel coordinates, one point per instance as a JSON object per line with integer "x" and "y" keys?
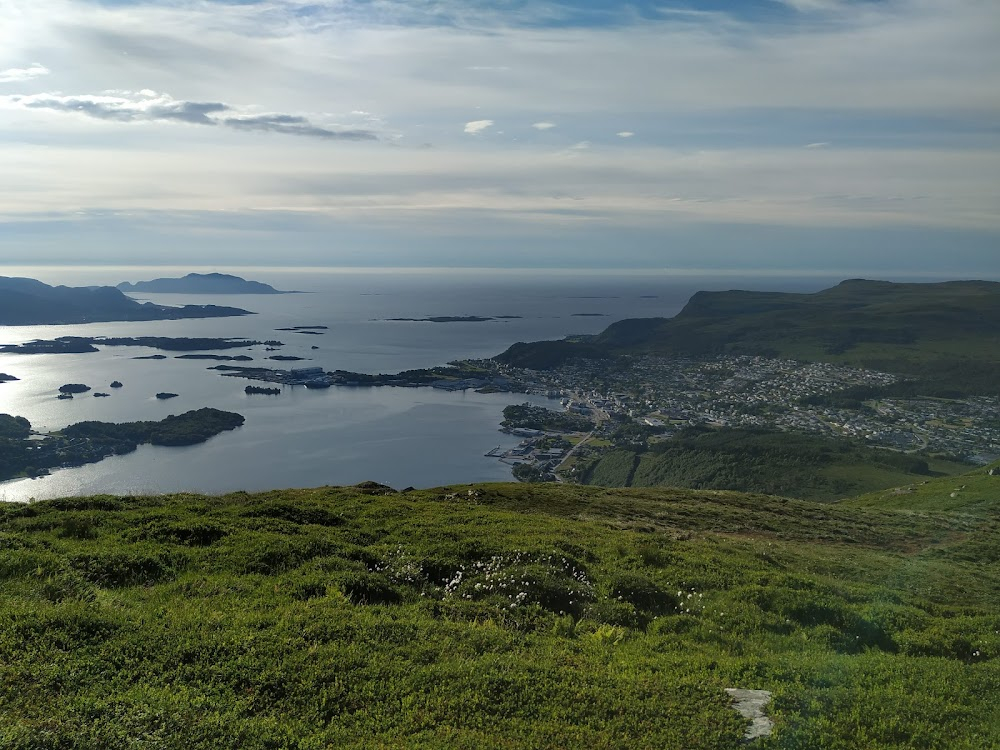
{"x": 201, "y": 283}
{"x": 30, "y": 302}
{"x": 89, "y": 442}
{"x": 83, "y": 344}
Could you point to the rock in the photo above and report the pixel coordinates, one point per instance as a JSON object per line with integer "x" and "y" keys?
{"x": 374, "y": 488}
{"x": 750, "y": 704}
{"x": 116, "y": 384}
{"x": 101, "y": 395}
{"x": 165, "y": 396}
{"x": 74, "y": 388}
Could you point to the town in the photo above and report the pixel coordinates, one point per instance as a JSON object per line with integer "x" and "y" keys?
{"x": 668, "y": 393}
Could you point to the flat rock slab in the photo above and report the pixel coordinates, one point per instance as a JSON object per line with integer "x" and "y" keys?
{"x": 750, "y": 704}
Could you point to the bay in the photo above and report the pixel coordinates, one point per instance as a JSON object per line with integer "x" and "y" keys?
{"x": 398, "y": 436}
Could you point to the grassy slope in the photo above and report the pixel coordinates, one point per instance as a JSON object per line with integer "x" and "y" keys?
{"x": 975, "y": 493}
{"x": 333, "y": 618}
{"x": 809, "y": 467}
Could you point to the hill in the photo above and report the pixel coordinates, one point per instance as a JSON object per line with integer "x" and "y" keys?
{"x": 201, "y": 283}
{"x": 945, "y": 337}
{"x": 501, "y": 616}
{"x": 31, "y": 302}
{"x": 976, "y": 492}
{"x": 810, "y": 467}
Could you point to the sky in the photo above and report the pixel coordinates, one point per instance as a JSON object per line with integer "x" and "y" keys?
{"x": 860, "y": 136}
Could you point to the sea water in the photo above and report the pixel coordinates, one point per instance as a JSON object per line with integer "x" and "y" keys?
{"x": 418, "y": 437}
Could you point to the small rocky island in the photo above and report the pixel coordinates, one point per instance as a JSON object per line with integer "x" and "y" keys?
{"x": 453, "y": 319}
{"x": 163, "y": 396}
{"x": 74, "y": 388}
{"x": 89, "y": 442}
{"x": 5, "y": 378}
{"x": 201, "y": 283}
{"x": 263, "y": 390}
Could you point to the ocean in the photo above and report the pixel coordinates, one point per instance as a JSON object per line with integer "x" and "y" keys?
{"x": 304, "y": 438}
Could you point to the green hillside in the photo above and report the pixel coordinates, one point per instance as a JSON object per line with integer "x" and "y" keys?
{"x": 945, "y": 336}
{"x": 977, "y": 492}
{"x": 496, "y": 616}
{"x": 810, "y": 467}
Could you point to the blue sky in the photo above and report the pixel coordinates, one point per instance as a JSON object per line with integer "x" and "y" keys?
{"x": 855, "y": 136}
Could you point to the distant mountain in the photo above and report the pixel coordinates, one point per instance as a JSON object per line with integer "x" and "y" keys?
{"x": 201, "y": 283}
{"x": 30, "y": 302}
{"x": 946, "y": 336}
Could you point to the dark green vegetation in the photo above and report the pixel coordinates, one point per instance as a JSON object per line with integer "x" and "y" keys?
{"x": 944, "y": 337}
{"x": 500, "y": 616}
{"x": 82, "y": 344}
{"x": 89, "y": 442}
{"x": 798, "y": 465}
{"x": 201, "y": 283}
{"x": 539, "y": 418}
{"x": 30, "y": 302}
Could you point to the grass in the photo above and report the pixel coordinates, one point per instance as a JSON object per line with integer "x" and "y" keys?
{"x": 807, "y": 466}
{"x": 507, "y": 616}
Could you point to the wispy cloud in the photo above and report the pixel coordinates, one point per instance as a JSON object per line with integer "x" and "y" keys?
{"x": 820, "y": 144}
{"x": 625, "y": 134}
{"x": 543, "y": 125}
{"x": 294, "y": 125}
{"x": 150, "y": 106}
{"x": 478, "y": 126}
{"x": 16, "y": 75}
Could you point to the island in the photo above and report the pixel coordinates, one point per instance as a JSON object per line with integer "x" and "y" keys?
{"x": 26, "y": 301}
{"x": 85, "y": 344}
{"x": 201, "y": 283}
{"x": 74, "y": 388}
{"x": 89, "y": 442}
{"x": 5, "y": 378}
{"x": 256, "y": 389}
{"x": 216, "y": 357}
{"x": 313, "y": 330}
{"x": 163, "y": 396}
{"x": 116, "y": 384}
{"x": 453, "y": 319}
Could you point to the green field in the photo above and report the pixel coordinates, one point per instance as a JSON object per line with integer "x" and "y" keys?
{"x": 500, "y": 616}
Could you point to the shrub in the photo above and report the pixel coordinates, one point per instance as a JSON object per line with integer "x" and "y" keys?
{"x": 114, "y": 568}
{"x": 368, "y": 588}
{"x": 642, "y": 593}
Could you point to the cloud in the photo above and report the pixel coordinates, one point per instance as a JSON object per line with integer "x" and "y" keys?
{"x": 126, "y": 106}
{"x": 478, "y": 126}
{"x": 149, "y": 106}
{"x": 543, "y": 125}
{"x": 15, "y": 75}
{"x": 821, "y": 144}
{"x": 293, "y": 125}
{"x": 625, "y": 134}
